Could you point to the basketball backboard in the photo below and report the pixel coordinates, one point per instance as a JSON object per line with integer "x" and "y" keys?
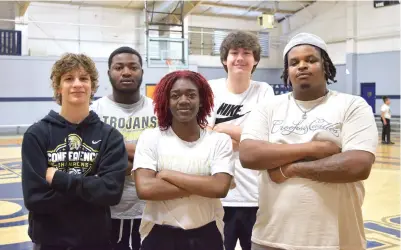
{"x": 167, "y": 52}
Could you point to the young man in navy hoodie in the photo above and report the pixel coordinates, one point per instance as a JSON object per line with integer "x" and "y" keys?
{"x": 73, "y": 165}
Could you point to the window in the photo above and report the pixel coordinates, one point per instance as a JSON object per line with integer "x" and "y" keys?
{"x": 201, "y": 41}
{"x": 218, "y": 37}
{"x": 207, "y": 41}
{"x": 264, "y": 43}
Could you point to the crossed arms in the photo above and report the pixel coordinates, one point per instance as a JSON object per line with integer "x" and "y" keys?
{"x": 158, "y": 182}
{"x": 317, "y": 160}
{"x": 46, "y": 190}
{"x": 169, "y": 184}
{"x": 322, "y": 161}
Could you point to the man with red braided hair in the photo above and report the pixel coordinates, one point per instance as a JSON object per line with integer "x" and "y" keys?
{"x": 182, "y": 169}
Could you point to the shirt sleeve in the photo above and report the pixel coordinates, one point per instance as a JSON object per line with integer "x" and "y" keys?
{"x": 257, "y": 125}
{"x": 145, "y": 152}
{"x": 269, "y": 93}
{"x": 359, "y": 131}
{"x": 211, "y": 119}
{"x": 383, "y": 108}
{"x": 223, "y": 161}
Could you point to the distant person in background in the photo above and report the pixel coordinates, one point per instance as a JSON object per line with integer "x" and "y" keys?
{"x": 385, "y": 118}
{"x": 73, "y": 165}
{"x": 235, "y": 96}
{"x": 130, "y": 112}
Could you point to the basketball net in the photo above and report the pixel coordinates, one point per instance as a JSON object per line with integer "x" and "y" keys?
{"x": 171, "y": 66}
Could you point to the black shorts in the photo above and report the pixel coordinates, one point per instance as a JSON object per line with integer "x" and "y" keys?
{"x": 238, "y": 225}
{"x": 166, "y": 237}
{"x": 46, "y": 247}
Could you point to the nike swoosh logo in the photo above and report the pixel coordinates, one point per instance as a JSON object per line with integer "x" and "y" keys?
{"x": 226, "y": 119}
{"x": 96, "y": 142}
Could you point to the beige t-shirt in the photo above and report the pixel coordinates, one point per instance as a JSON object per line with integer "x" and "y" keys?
{"x": 300, "y": 213}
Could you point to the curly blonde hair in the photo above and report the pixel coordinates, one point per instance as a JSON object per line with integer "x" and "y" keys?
{"x": 70, "y": 62}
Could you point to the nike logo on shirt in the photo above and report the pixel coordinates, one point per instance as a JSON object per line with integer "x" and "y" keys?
{"x": 230, "y": 118}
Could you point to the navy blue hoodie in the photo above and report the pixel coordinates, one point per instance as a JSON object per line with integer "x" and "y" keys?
{"x": 91, "y": 160}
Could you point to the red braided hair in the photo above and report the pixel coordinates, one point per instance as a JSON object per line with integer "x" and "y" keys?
{"x": 161, "y": 97}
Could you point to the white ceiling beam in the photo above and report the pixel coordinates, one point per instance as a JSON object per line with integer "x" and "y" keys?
{"x": 240, "y": 7}
{"x": 23, "y": 7}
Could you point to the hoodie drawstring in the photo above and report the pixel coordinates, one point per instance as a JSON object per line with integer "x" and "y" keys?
{"x": 121, "y": 231}
{"x": 120, "y": 236}
{"x": 130, "y": 234}
{"x": 67, "y": 158}
{"x": 80, "y": 132}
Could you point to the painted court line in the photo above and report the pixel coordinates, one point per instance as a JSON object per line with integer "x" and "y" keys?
{"x": 9, "y": 169}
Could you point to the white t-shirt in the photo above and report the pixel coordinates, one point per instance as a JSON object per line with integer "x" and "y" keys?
{"x": 130, "y": 120}
{"x": 300, "y": 213}
{"x": 386, "y": 110}
{"x": 210, "y": 154}
{"x": 234, "y": 109}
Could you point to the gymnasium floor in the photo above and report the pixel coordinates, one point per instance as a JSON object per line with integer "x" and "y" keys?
{"x": 381, "y": 208}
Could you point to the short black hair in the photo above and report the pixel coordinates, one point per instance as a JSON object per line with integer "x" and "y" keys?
{"x": 122, "y": 50}
{"x": 330, "y": 70}
{"x": 385, "y": 98}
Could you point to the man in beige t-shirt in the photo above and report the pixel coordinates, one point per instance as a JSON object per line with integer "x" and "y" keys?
{"x": 314, "y": 148}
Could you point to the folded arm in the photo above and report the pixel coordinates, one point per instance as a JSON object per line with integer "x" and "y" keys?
{"x": 345, "y": 167}
{"x": 255, "y": 151}
{"x": 39, "y": 197}
{"x": 233, "y": 131}
{"x": 149, "y": 187}
{"x": 215, "y": 186}
{"x": 235, "y": 145}
{"x": 261, "y": 155}
{"x": 105, "y": 188}
{"x": 359, "y": 142}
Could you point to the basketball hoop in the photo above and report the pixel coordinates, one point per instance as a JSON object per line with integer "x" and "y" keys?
{"x": 174, "y": 65}
{"x": 171, "y": 65}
